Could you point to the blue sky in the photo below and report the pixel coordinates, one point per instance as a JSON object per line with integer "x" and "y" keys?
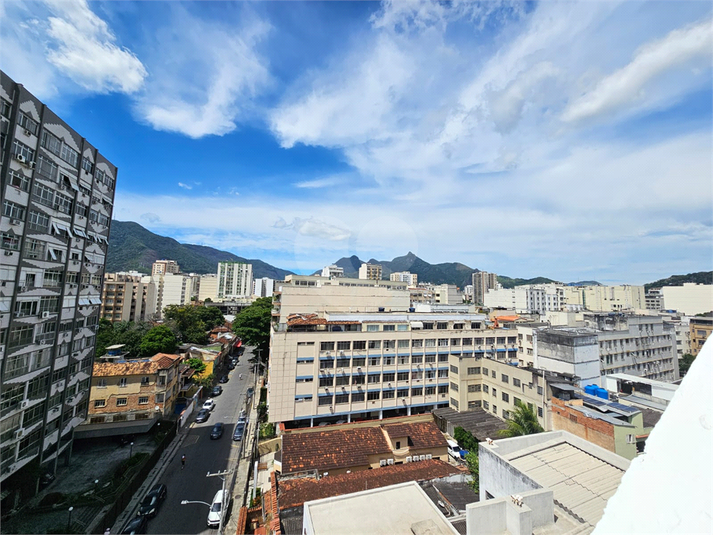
{"x": 564, "y": 139}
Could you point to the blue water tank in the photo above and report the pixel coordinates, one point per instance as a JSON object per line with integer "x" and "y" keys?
{"x": 591, "y": 390}
{"x": 602, "y": 393}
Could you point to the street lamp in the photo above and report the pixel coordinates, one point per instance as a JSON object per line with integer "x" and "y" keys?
{"x": 131, "y": 449}
{"x": 69, "y": 520}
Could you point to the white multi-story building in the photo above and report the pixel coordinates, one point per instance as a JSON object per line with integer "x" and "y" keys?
{"x": 689, "y": 299}
{"x": 126, "y": 298}
{"x": 235, "y": 280}
{"x": 162, "y": 267}
{"x": 404, "y": 276}
{"x": 528, "y": 299}
{"x": 606, "y": 298}
{"x": 263, "y": 287}
{"x": 332, "y": 271}
{"x": 482, "y": 282}
{"x": 370, "y": 271}
{"x": 208, "y": 288}
{"x": 447, "y": 294}
{"x": 57, "y": 199}
{"x": 171, "y": 289}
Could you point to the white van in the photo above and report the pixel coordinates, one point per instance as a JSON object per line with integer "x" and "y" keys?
{"x": 453, "y": 449}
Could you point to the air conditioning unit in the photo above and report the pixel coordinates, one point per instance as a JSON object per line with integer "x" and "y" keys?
{"x": 341, "y": 353}
{"x": 390, "y": 461}
{"x": 8, "y": 253}
{"x": 72, "y": 285}
{"x": 20, "y": 158}
{"x": 31, "y": 165}
{"x": 429, "y": 456}
{"x": 408, "y": 459}
{"x": 19, "y": 433}
{"x": 43, "y": 342}
{"x": 75, "y": 354}
{"x": 46, "y": 314}
{"x": 24, "y": 403}
{"x": 382, "y": 462}
{"x": 422, "y": 458}
{"x": 15, "y": 221}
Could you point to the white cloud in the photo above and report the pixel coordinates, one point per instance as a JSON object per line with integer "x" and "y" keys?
{"x": 214, "y": 73}
{"x": 315, "y": 228}
{"x": 184, "y": 186}
{"x": 626, "y": 86}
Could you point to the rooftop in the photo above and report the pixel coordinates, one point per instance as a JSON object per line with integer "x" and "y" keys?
{"x": 160, "y": 361}
{"x": 294, "y": 492}
{"x": 480, "y": 423}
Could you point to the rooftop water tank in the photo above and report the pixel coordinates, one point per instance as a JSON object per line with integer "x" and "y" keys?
{"x": 602, "y": 393}
{"x": 591, "y": 390}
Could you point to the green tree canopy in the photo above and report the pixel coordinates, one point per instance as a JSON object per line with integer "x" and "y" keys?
{"x": 252, "y": 325}
{"x": 123, "y": 332}
{"x": 473, "y": 464}
{"x": 465, "y": 439}
{"x": 193, "y": 322}
{"x": 684, "y": 363}
{"x": 159, "y": 339}
{"x": 522, "y": 421}
{"x": 197, "y": 364}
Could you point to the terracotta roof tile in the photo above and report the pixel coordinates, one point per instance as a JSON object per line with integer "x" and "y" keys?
{"x": 119, "y": 369}
{"x": 164, "y": 360}
{"x": 327, "y": 450}
{"x": 420, "y": 434}
{"x": 295, "y": 492}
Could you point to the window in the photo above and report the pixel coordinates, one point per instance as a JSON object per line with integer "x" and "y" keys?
{"x": 495, "y": 409}
{"x": 473, "y": 388}
{"x": 341, "y": 398}
{"x": 504, "y": 378}
{"x": 359, "y": 344}
{"x": 326, "y": 363}
{"x": 389, "y": 327}
{"x": 344, "y": 362}
{"x": 505, "y": 397}
{"x": 515, "y": 382}
{"x": 305, "y": 379}
{"x": 159, "y": 398}
{"x": 516, "y": 401}
{"x": 121, "y": 402}
{"x": 474, "y": 371}
{"x": 358, "y": 361}
{"x": 99, "y": 403}
{"x": 443, "y": 373}
{"x": 443, "y": 342}
{"x": 539, "y": 412}
{"x": 454, "y": 369}
{"x": 403, "y": 359}
{"x": 402, "y": 393}
{"x": 374, "y": 344}
{"x": 63, "y": 203}
{"x": 430, "y": 359}
{"x": 374, "y": 378}
{"x": 373, "y": 395}
{"x": 357, "y": 396}
{"x": 402, "y": 376}
{"x": 474, "y": 404}
{"x": 87, "y": 165}
{"x": 326, "y": 346}
{"x": 10, "y": 241}
{"x": 326, "y": 400}
{"x": 479, "y": 341}
{"x": 489, "y": 340}
{"x": 442, "y": 325}
{"x": 5, "y": 108}
{"x": 492, "y": 374}
{"x": 374, "y": 361}
{"x": 19, "y": 180}
{"x": 389, "y": 344}
{"x": 431, "y": 342}
{"x": 51, "y": 142}
{"x": 506, "y": 414}
{"x": 486, "y": 405}
{"x": 442, "y": 358}
{"x": 430, "y": 390}
{"x": 389, "y": 394}
{"x": 427, "y": 325}
{"x": 455, "y": 341}
{"x": 122, "y": 382}
{"x": 501, "y": 340}
{"x": 430, "y": 374}
{"x": 402, "y": 327}
{"x": 27, "y": 123}
{"x": 389, "y": 377}
{"x": 416, "y": 343}
{"x": 342, "y": 380}
{"x": 23, "y": 151}
{"x": 403, "y": 344}
{"x": 416, "y": 359}
{"x": 326, "y": 380}
{"x": 454, "y": 387}
{"x": 467, "y": 341}
{"x": 443, "y": 389}
{"x": 372, "y": 328}
{"x": 69, "y": 155}
{"x": 344, "y": 346}
{"x": 12, "y": 210}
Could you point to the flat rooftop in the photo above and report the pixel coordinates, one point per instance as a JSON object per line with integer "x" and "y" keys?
{"x": 402, "y": 509}
{"x": 403, "y": 317}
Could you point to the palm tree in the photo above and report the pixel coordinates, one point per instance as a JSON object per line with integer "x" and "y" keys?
{"x": 522, "y": 421}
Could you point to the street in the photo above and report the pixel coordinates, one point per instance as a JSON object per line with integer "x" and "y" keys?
{"x": 203, "y": 455}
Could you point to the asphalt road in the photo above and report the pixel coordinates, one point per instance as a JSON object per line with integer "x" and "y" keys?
{"x": 203, "y": 455}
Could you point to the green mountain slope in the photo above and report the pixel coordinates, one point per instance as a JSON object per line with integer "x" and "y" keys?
{"x": 132, "y": 247}
{"x": 507, "y": 282}
{"x": 700, "y": 277}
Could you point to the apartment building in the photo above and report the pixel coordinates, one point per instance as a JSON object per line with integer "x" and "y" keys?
{"x": 341, "y": 366}
{"x": 605, "y": 298}
{"x": 527, "y": 299}
{"x": 370, "y": 271}
{"x": 447, "y": 294}
{"x": 637, "y": 345}
{"x": 700, "y": 330}
{"x": 208, "y": 287}
{"x": 263, "y": 287}
{"x": 482, "y": 282}
{"x": 404, "y": 276}
{"x": 689, "y": 299}
{"x": 126, "y": 298}
{"x": 299, "y": 294}
{"x": 162, "y": 267}
{"x": 654, "y": 299}
{"x": 171, "y": 289}
{"x": 332, "y": 270}
{"x": 235, "y": 279}
{"x": 130, "y": 396}
{"x": 57, "y": 200}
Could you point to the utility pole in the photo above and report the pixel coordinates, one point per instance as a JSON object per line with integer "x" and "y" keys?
{"x": 223, "y": 508}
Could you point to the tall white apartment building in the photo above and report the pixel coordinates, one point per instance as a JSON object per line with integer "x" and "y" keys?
{"x": 235, "y": 279}
{"x": 162, "y": 267}
{"x": 171, "y": 289}
{"x": 208, "y": 288}
{"x": 606, "y": 298}
{"x": 689, "y": 299}
{"x": 263, "y": 287}
{"x": 126, "y": 298}
{"x": 370, "y": 271}
{"x": 335, "y": 366}
{"x": 332, "y": 271}
{"x": 404, "y": 276}
{"x": 57, "y": 199}
{"x": 528, "y": 299}
{"x": 482, "y": 282}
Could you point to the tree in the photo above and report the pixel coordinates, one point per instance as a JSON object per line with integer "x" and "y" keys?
{"x": 465, "y": 439}
{"x": 123, "y": 332}
{"x": 252, "y": 325}
{"x": 187, "y": 320}
{"x": 197, "y": 364}
{"x": 473, "y": 463}
{"x": 522, "y": 421}
{"x": 684, "y": 363}
{"x": 159, "y": 339}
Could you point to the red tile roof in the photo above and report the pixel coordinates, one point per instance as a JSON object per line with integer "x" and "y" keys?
{"x": 295, "y": 492}
{"x": 327, "y": 450}
{"x": 305, "y": 319}
{"x": 420, "y": 434}
{"x": 164, "y": 360}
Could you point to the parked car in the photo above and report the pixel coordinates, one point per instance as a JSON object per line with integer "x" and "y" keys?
{"x": 203, "y": 415}
{"x": 216, "y": 510}
{"x": 239, "y": 430}
{"x": 251, "y": 391}
{"x": 217, "y": 431}
{"x": 217, "y": 390}
{"x": 149, "y": 506}
{"x": 231, "y": 365}
{"x": 209, "y": 404}
{"x": 137, "y": 525}
{"x": 223, "y": 379}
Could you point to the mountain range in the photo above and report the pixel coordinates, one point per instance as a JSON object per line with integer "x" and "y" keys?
{"x": 132, "y": 247}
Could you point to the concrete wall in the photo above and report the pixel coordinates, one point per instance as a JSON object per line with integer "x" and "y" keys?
{"x": 688, "y": 299}
{"x": 498, "y": 477}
